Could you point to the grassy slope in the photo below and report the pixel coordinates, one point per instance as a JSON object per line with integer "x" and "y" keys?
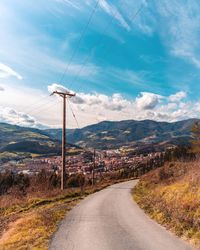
{"x": 171, "y": 196}
{"x": 29, "y": 223}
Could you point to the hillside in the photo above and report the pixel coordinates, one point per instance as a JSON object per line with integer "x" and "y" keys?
{"x": 19, "y": 142}
{"x": 170, "y": 195}
{"x": 15, "y": 138}
{"x": 141, "y": 134}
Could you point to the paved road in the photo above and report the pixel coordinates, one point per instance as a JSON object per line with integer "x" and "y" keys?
{"x": 110, "y": 220}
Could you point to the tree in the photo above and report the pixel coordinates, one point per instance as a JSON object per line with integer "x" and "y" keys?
{"x": 22, "y": 182}
{"x": 6, "y": 181}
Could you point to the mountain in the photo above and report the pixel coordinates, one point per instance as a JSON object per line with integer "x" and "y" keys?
{"x": 139, "y": 136}
{"x": 20, "y": 142}
{"x": 130, "y": 133}
{"x": 15, "y": 138}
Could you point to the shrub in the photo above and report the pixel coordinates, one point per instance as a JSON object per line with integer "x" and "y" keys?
{"x": 9, "y": 180}
{"x": 6, "y": 181}
{"x": 76, "y": 180}
{"x": 22, "y": 182}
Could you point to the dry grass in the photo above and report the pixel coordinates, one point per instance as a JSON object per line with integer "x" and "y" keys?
{"x": 171, "y": 196}
{"x": 33, "y": 230}
{"x": 29, "y": 222}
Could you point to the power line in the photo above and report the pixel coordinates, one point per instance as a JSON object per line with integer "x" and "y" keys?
{"x": 73, "y": 113}
{"x": 89, "y": 56}
{"x": 132, "y": 19}
{"x": 76, "y": 50}
{"x": 39, "y": 101}
{"x": 101, "y": 39}
{"x": 137, "y": 12}
{"x": 107, "y": 27}
{"x": 73, "y": 55}
{"x": 38, "y": 104}
{"x": 41, "y": 108}
{"x": 80, "y": 40}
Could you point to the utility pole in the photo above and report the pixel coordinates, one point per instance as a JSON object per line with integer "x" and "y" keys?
{"x": 64, "y": 95}
{"x": 94, "y": 165}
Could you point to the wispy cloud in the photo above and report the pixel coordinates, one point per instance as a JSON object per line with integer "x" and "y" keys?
{"x": 114, "y": 12}
{"x": 177, "y": 23}
{"x": 58, "y": 65}
{"x": 70, "y": 3}
{"x": 6, "y": 71}
{"x": 182, "y": 28}
{"x": 140, "y": 15}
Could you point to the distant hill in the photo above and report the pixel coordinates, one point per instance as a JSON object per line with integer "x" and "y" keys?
{"x": 15, "y": 138}
{"x": 18, "y": 142}
{"x": 130, "y": 133}
{"x": 140, "y": 136}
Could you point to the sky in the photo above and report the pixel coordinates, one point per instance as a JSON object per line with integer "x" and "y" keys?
{"x": 124, "y": 59}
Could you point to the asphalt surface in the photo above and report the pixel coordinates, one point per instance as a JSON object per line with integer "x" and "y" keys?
{"x": 111, "y": 220}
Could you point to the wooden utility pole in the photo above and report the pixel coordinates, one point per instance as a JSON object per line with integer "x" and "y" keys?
{"x": 94, "y": 166}
{"x": 64, "y": 95}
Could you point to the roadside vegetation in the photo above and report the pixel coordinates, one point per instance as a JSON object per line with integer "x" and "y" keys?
{"x": 32, "y": 207}
{"x": 171, "y": 196}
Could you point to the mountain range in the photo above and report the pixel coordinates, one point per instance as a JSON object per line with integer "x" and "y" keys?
{"x": 129, "y": 133}
{"x": 139, "y": 135}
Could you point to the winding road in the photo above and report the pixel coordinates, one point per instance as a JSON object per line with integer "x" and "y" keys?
{"x": 111, "y": 220}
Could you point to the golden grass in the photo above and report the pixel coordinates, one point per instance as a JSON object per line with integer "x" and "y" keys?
{"x": 30, "y": 222}
{"x": 34, "y": 229}
{"x": 171, "y": 196}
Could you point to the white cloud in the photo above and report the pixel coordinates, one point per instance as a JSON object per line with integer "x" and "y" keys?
{"x": 1, "y": 88}
{"x": 114, "y": 102}
{"x": 54, "y": 87}
{"x": 30, "y": 107}
{"x": 147, "y": 100}
{"x": 112, "y": 11}
{"x": 12, "y": 116}
{"x": 178, "y": 96}
{"x": 6, "y": 71}
{"x": 171, "y": 106}
{"x": 28, "y": 101}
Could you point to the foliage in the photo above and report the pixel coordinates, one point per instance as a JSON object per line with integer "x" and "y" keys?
{"x": 76, "y": 180}
{"x": 170, "y": 195}
{"x": 6, "y": 181}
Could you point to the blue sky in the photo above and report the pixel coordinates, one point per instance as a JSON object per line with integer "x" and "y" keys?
{"x": 142, "y": 68}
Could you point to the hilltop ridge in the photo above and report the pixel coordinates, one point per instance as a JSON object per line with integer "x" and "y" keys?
{"x": 140, "y": 136}
{"x": 130, "y": 133}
